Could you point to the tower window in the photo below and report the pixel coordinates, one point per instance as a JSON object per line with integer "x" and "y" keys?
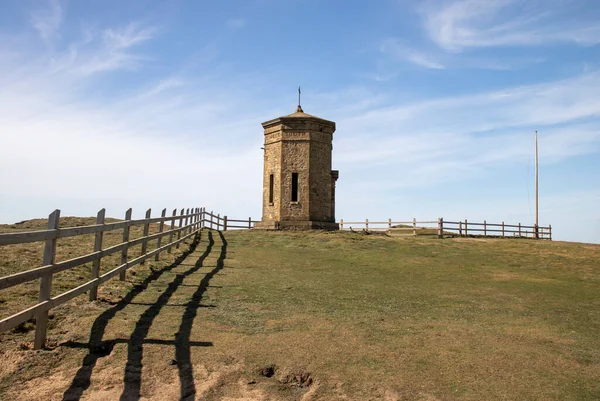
{"x": 294, "y": 187}
{"x": 271, "y": 188}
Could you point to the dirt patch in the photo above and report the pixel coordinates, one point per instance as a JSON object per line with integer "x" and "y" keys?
{"x": 301, "y": 379}
{"x": 267, "y": 371}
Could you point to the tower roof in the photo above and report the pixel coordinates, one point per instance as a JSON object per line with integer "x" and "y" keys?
{"x": 299, "y": 114}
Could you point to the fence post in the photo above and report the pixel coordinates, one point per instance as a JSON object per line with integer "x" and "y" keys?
{"x": 550, "y": 231}
{"x": 224, "y": 223}
{"x": 460, "y": 228}
{"x": 146, "y": 230}
{"x": 126, "y": 246}
{"x": 161, "y": 227}
{"x": 536, "y": 232}
{"x": 185, "y": 230}
{"x": 197, "y": 227}
{"x": 218, "y": 221}
{"x": 389, "y": 226}
{"x": 440, "y": 227}
{"x": 484, "y": 228}
{"x": 172, "y": 228}
{"x": 502, "y": 229}
{"x": 341, "y": 224}
{"x": 97, "y": 248}
{"x": 367, "y": 225}
{"x": 466, "y": 230}
{"x": 194, "y": 220}
{"x": 41, "y": 318}
{"x": 519, "y": 230}
{"x": 249, "y": 223}
{"x": 203, "y": 217}
{"x": 414, "y": 226}
{"x": 180, "y": 227}
{"x": 211, "y": 219}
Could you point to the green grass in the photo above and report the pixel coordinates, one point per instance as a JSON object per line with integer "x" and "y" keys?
{"x": 364, "y": 316}
{"x": 472, "y": 318}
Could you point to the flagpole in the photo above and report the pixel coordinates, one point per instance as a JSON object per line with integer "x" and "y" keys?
{"x": 537, "y": 188}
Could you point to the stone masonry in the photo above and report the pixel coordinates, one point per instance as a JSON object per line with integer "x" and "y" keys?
{"x": 298, "y": 148}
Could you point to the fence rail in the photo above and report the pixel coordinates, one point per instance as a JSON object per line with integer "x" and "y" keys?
{"x": 182, "y": 226}
{"x": 442, "y": 228}
{"x": 497, "y": 230}
{"x": 413, "y": 227}
{"x": 216, "y": 222}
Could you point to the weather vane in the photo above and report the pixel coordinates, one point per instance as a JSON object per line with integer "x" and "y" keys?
{"x": 299, "y": 104}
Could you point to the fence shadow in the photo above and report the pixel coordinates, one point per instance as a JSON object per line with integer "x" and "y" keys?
{"x": 97, "y": 348}
{"x": 182, "y": 338}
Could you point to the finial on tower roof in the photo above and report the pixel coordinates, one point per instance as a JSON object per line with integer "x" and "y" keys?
{"x": 299, "y": 109}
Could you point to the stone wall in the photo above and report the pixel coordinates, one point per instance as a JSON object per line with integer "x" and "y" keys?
{"x": 272, "y": 163}
{"x": 320, "y": 181}
{"x": 295, "y": 159}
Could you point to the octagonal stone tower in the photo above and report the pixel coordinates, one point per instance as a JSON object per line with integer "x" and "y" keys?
{"x": 298, "y": 185}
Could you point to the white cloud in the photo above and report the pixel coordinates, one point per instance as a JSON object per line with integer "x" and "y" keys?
{"x": 236, "y": 23}
{"x": 98, "y": 51}
{"x": 400, "y": 51}
{"x": 114, "y": 52}
{"x": 417, "y": 146}
{"x": 172, "y": 141}
{"x": 47, "y": 21}
{"x": 463, "y": 24}
{"x": 126, "y": 37}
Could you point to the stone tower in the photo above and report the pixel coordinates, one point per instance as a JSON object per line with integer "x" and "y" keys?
{"x": 298, "y": 183}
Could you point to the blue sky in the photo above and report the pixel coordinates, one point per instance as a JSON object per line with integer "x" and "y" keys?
{"x": 158, "y": 104}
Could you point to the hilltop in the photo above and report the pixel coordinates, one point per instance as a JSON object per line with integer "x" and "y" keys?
{"x": 321, "y": 315}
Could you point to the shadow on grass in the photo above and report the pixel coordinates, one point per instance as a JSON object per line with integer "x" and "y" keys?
{"x": 182, "y": 338}
{"x": 97, "y": 348}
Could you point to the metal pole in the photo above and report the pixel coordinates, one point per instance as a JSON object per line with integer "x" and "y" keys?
{"x": 537, "y": 188}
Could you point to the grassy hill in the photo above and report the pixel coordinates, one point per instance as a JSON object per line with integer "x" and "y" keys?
{"x": 318, "y": 315}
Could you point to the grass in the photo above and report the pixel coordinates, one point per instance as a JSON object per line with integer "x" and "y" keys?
{"x": 287, "y": 315}
{"x": 21, "y": 257}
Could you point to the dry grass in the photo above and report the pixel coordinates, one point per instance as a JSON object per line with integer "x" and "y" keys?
{"x": 21, "y": 257}
{"x": 327, "y": 316}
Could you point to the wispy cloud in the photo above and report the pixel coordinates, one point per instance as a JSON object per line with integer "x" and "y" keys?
{"x": 163, "y": 132}
{"x": 47, "y": 21}
{"x": 236, "y": 23}
{"x": 126, "y": 37}
{"x": 462, "y": 24}
{"x": 459, "y": 137}
{"x": 104, "y": 50}
{"x": 400, "y": 51}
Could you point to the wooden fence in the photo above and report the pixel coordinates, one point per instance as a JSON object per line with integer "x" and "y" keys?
{"x": 412, "y": 227}
{"x": 442, "y": 228}
{"x": 497, "y": 230}
{"x": 216, "y": 222}
{"x": 182, "y": 226}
